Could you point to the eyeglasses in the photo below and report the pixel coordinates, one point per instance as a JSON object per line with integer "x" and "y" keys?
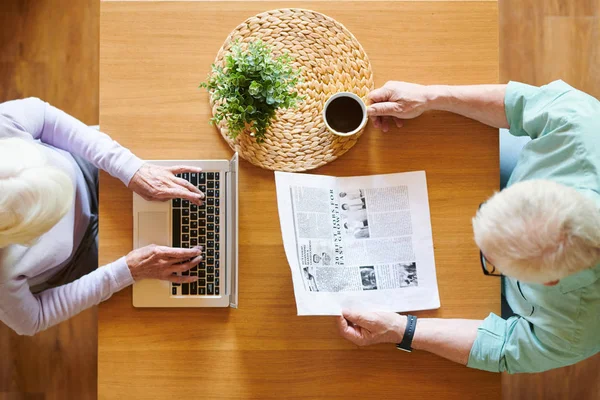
{"x": 487, "y": 267}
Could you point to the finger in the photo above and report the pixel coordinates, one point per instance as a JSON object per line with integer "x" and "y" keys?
{"x": 186, "y": 265}
{"x": 377, "y": 122}
{"x": 177, "y": 253}
{"x": 379, "y": 95}
{"x": 347, "y": 331}
{"x": 382, "y": 109}
{"x": 385, "y": 124}
{"x": 187, "y": 185}
{"x": 342, "y": 324}
{"x": 356, "y": 317}
{"x": 174, "y": 193}
{"x": 179, "y": 169}
{"x": 181, "y": 279}
{"x": 175, "y": 266}
{"x": 399, "y": 122}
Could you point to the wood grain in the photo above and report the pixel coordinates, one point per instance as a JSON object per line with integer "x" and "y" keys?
{"x": 51, "y": 54}
{"x": 23, "y": 26}
{"x": 49, "y": 49}
{"x": 579, "y": 381}
{"x": 540, "y": 41}
{"x": 313, "y": 1}
{"x": 152, "y": 57}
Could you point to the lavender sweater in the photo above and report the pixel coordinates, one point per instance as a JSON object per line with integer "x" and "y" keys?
{"x": 23, "y": 267}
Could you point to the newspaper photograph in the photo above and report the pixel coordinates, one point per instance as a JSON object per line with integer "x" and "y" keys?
{"x": 358, "y": 242}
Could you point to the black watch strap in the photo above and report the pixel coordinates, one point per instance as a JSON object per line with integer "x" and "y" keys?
{"x": 409, "y": 333}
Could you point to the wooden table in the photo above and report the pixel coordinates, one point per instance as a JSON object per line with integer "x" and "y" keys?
{"x": 152, "y": 57}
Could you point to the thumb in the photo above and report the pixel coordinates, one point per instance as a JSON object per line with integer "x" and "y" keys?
{"x": 356, "y": 317}
{"x": 380, "y": 95}
{"x": 382, "y": 109}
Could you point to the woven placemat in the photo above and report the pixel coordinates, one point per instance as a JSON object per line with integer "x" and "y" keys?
{"x": 331, "y": 61}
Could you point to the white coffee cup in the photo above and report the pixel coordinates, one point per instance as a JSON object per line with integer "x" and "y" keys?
{"x": 358, "y": 100}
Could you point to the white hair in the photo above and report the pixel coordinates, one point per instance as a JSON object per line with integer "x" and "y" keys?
{"x": 539, "y": 231}
{"x": 34, "y": 195}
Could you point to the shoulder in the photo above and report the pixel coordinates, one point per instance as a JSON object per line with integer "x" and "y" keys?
{"x": 558, "y": 97}
{"x": 10, "y": 257}
{"x": 587, "y": 290}
{"x": 26, "y": 115}
{"x": 22, "y": 107}
{"x": 568, "y": 313}
{"x": 575, "y": 106}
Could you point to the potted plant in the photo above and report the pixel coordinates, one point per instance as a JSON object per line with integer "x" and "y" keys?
{"x": 250, "y": 86}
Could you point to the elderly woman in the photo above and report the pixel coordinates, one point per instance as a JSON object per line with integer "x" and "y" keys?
{"x": 48, "y": 216}
{"x": 542, "y": 232}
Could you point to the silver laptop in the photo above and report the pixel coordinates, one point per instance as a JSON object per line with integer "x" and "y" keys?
{"x": 178, "y": 223}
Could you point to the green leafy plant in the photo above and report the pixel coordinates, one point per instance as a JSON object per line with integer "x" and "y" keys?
{"x": 250, "y": 87}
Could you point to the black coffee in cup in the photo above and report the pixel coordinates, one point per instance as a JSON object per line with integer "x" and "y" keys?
{"x": 344, "y": 114}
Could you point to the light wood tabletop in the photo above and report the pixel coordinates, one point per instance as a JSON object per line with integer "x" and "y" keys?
{"x": 152, "y": 57}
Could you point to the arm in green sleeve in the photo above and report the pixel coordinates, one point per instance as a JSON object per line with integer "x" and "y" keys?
{"x": 537, "y": 111}
{"x": 514, "y": 345}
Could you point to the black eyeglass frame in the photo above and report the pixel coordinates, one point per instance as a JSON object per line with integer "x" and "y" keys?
{"x": 484, "y": 266}
{"x": 483, "y": 260}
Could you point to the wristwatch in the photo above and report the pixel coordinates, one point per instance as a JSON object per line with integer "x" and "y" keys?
{"x": 409, "y": 332}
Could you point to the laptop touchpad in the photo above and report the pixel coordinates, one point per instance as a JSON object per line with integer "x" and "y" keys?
{"x": 153, "y": 228}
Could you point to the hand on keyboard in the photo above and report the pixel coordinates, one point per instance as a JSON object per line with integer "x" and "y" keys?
{"x": 160, "y": 262}
{"x": 193, "y": 225}
{"x": 154, "y": 182}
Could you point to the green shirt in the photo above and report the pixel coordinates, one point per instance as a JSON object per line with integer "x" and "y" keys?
{"x": 556, "y": 325}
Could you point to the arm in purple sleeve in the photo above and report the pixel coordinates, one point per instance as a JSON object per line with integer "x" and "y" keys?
{"x": 28, "y": 314}
{"x": 39, "y": 120}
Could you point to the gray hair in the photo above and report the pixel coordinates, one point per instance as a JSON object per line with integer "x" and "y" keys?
{"x": 539, "y": 231}
{"x": 35, "y": 195}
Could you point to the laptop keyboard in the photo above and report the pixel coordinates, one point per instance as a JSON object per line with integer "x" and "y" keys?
{"x": 195, "y": 225}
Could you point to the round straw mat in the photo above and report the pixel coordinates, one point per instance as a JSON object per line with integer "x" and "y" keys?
{"x": 330, "y": 59}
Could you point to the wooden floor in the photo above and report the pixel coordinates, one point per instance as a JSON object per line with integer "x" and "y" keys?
{"x": 541, "y": 41}
{"x": 49, "y": 49}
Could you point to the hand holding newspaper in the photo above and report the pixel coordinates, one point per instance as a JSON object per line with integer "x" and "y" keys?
{"x": 358, "y": 242}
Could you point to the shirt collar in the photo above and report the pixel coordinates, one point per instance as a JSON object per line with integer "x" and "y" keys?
{"x": 580, "y": 279}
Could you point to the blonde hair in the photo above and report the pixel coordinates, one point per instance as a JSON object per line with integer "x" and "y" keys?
{"x": 34, "y": 196}
{"x": 539, "y": 231}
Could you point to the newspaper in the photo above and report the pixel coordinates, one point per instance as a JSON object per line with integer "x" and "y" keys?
{"x": 358, "y": 242}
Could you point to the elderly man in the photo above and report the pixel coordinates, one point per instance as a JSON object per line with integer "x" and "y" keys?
{"x": 542, "y": 232}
